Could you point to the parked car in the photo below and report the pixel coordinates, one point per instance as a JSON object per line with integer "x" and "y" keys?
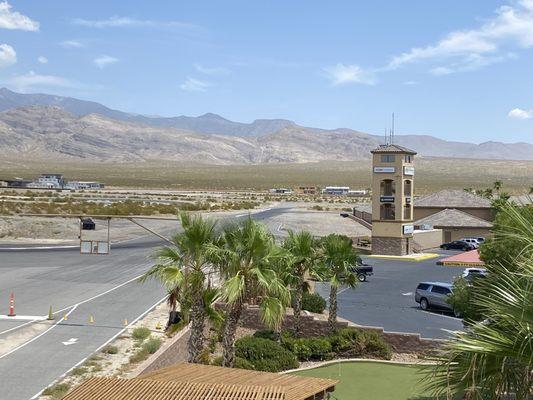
{"x": 473, "y": 241}
{"x": 344, "y": 215}
{"x": 362, "y": 270}
{"x": 457, "y": 245}
{"x": 434, "y": 295}
{"x": 480, "y": 239}
{"x": 472, "y": 273}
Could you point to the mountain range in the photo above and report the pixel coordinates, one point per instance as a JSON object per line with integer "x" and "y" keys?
{"x": 43, "y": 126}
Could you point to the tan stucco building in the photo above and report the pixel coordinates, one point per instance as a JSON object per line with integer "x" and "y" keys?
{"x": 392, "y": 205}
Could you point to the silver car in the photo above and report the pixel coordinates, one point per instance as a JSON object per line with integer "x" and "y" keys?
{"x": 434, "y": 295}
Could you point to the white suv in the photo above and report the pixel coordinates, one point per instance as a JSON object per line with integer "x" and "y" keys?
{"x": 473, "y": 241}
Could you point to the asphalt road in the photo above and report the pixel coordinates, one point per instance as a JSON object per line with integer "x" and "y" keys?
{"x": 79, "y": 285}
{"x": 386, "y": 299}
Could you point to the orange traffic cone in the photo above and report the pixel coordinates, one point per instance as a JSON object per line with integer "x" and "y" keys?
{"x": 11, "y": 305}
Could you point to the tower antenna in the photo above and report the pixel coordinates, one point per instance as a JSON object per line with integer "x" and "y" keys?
{"x": 386, "y": 136}
{"x": 392, "y": 131}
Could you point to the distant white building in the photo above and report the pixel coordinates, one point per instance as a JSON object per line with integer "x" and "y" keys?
{"x": 48, "y": 181}
{"x": 357, "y": 193}
{"x": 83, "y": 185}
{"x": 337, "y": 190}
{"x": 280, "y": 191}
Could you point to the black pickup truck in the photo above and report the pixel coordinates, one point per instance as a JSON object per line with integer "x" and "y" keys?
{"x": 362, "y": 270}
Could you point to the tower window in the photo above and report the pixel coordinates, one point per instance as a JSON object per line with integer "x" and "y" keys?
{"x": 388, "y": 158}
{"x": 407, "y": 211}
{"x": 386, "y": 212}
{"x": 387, "y": 187}
{"x": 407, "y": 187}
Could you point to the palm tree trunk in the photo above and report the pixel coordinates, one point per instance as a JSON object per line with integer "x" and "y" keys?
{"x": 298, "y": 305}
{"x": 196, "y": 340}
{"x": 230, "y": 330}
{"x": 332, "y": 318}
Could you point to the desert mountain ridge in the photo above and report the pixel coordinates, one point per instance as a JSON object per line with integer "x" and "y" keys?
{"x": 44, "y": 126}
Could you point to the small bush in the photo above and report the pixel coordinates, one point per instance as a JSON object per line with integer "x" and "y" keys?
{"x": 57, "y": 391}
{"x": 139, "y": 356}
{"x": 349, "y": 343}
{"x": 110, "y": 349}
{"x": 152, "y": 345}
{"x": 309, "y": 348}
{"x": 240, "y": 363}
{"x": 265, "y": 334}
{"x": 264, "y": 354}
{"x": 313, "y": 302}
{"x": 140, "y": 333}
{"x": 79, "y": 371}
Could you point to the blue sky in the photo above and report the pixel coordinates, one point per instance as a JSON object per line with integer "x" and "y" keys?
{"x": 458, "y": 70}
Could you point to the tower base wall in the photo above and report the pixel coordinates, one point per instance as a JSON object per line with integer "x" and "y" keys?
{"x": 392, "y": 246}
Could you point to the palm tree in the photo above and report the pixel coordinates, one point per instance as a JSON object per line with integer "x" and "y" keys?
{"x": 339, "y": 256}
{"x": 494, "y": 358}
{"x": 182, "y": 270}
{"x": 245, "y": 259}
{"x": 301, "y": 260}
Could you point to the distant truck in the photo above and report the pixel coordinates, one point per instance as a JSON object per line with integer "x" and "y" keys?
{"x": 362, "y": 270}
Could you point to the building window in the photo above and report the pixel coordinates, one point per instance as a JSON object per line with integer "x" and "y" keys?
{"x": 408, "y": 159}
{"x": 407, "y": 211}
{"x": 387, "y": 187}
{"x": 388, "y": 158}
{"x": 386, "y": 212}
{"x": 407, "y": 187}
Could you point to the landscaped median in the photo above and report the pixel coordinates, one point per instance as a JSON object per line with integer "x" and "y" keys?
{"x": 365, "y": 379}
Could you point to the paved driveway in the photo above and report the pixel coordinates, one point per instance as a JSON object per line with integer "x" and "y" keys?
{"x": 387, "y": 298}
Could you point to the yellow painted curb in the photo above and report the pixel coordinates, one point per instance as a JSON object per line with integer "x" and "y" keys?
{"x": 420, "y": 257}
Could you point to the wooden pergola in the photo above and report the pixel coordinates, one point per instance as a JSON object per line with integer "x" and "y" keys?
{"x": 204, "y": 382}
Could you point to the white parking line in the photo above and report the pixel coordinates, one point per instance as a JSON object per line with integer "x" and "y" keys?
{"x": 440, "y": 315}
{"x": 77, "y": 304}
{"x": 103, "y": 345}
{"x": 38, "y": 336}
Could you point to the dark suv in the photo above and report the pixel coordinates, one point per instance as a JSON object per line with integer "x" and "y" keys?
{"x": 457, "y": 245}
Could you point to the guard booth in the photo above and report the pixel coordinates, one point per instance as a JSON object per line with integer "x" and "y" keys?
{"x": 93, "y": 241}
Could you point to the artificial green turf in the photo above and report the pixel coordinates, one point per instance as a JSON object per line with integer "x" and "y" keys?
{"x": 368, "y": 380}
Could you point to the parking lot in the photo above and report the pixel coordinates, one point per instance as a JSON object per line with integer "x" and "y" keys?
{"x": 387, "y": 298}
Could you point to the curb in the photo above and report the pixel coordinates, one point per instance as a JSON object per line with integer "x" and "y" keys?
{"x": 361, "y": 360}
{"x": 425, "y": 256}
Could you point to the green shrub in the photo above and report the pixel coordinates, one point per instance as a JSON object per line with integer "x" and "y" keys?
{"x": 152, "y": 345}
{"x": 313, "y": 302}
{"x": 140, "y": 333}
{"x": 350, "y": 343}
{"x": 57, "y": 391}
{"x": 266, "y": 334}
{"x": 140, "y": 355}
{"x": 110, "y": 349}
{"x": 309, "y": 348}
{"x": 240, "y": 363}
{"x": 79, "y": 371}
{"x": 264, "y": 354}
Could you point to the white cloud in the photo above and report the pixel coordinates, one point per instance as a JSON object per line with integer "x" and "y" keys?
{"x": 42, "y": 60}
{"x": 519, "y": 113}
{"x": 8, "y": 55}
{"x": 14, "y": 20}
{"x": 410, "y": 83}
{"x": 496, "y": 40}
{"x": 71, "y": 44}
{"x": 194, "y": 85}
{"x": 103, "y": 61}
{"x": 30, "y": 80}
{"x": 211, "y": 70}
{"x": 341, "y": 74}
{"x": 128, "y": 22}
{"x": 511, "y": 27}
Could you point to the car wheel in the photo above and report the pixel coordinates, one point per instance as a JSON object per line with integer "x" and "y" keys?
{"x": 424, "y": 305}
{"x": 465, "y": 248}
{"x": 361, "y": 277}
